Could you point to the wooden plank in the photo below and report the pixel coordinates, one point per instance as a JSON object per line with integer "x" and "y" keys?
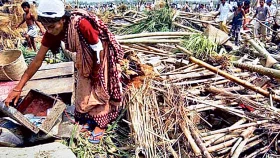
{"x": 55, "y": 112}
{"x": 16, "y": 115}
{"x": 46, "y": 71}
{"x": 51, "y": 150}
{"x": 58, "y": 65}
{"x": 50, "y": 73}
{"x": 51, "y": 86}
{"x": 47, "y": 86}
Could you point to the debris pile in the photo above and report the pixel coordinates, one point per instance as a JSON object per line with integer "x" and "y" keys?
{"x": 194, "y": 108}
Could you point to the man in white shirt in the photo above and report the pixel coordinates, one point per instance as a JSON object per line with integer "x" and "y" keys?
{"x": 224, "y": 12}
{"x": 179, "y": 6}
{"x": 142, "y": 8}
{"x": 272, "y": 10}
{"x": 211, "y": 5}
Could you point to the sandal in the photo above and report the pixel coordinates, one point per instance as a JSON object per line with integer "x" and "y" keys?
{"x": 84, "y": 128}
{"x": 93, "y": 135}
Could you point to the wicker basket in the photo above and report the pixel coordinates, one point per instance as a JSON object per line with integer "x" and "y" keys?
{"x": 12, "y": 65}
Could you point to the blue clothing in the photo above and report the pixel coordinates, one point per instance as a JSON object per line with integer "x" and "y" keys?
{"x": 238, "y": 18}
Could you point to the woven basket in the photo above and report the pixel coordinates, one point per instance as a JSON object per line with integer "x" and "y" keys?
{"x": 12, "y": 65}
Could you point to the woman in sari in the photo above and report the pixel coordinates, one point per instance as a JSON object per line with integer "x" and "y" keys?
{"x": 97, "y": 54}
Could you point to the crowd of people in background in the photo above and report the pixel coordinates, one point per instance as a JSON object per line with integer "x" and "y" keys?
{"x": 263, "y": 20}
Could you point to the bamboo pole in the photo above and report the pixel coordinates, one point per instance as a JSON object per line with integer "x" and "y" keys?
{"x": 270, "y": 61}
{"x": 252, "y": 144}
{"x": 259, "y": 69}
{"x": 240, "y": 98}
{"x": 219, "y": 136}
{"x": 223, "y": 137}
{"x": 228, "y": 129}
{"x": 178, "y": 77}
{"x": 182, "y": 72}
{"x": 199, "y": 141}
{"x": 150, "y": 52}
{"x": 234, "y": 147}
{"x": 207, "y": 80}
{"x": 153, "y": 34}
{"x": 222, "y": 145}
{"x": 147, "y": 41}
{"x": 245, "y": 136}
{"x": 257, "y": 152}
{"x": 190, "y": 139}
{"x": 179, "y": 69}
{"x": 224, "y": 151}
{"x": 197, "y": 20}
{"x": 186, "y": 27}
{"x": 155, "y": 49}
{"x": 256, "y": 137}
{"x": 233, "y": 78}
{"x": 175, "y": 155}
{"x": 155, "y": 38}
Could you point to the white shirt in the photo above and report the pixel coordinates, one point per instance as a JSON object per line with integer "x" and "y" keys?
{"x": 179, "y": 6}
{"x": 142, "y": 7}
{"x": 211, "y": 4}
{"x": 224, "y": 11}
{"x": 272, "y": 11}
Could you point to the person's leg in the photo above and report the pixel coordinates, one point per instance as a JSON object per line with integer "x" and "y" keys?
{"x": 263, "y": 33}
{"x": 28, "y": 41}
{"x": 256, "y": 27}
{"x": 237, "y": 35}
{"x": 231, "y": 32}
{"x": 221, "y": 25}
{"x": 224, "y": 26}
{"x": 32, "y": 39}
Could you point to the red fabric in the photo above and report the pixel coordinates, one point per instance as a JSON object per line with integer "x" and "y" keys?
{"x": 88, "y": 32}
{"x": 52, "y": 41}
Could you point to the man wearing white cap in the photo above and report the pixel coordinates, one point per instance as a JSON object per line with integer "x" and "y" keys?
{"x": 98, "y": 91}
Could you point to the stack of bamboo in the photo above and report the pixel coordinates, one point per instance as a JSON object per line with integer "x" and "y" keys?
{"x": 192, "y": 108}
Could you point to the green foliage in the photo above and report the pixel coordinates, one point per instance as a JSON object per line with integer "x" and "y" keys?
{"x": 115, "y": 137}
{"x": 200, "y": 45}
{"x": 157, "y": 21}
{"x": 50, "y": 58}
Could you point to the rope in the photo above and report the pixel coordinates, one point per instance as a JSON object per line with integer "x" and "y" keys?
{"x": 3, "y": 70}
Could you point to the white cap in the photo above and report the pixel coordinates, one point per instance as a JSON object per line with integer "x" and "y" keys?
{"x": 51, "y": 8}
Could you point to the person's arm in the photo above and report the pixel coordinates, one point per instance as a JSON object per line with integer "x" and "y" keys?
{"x": 23, "y": 20}
{"x": 31, "y": 70}
{"x": 255, "y": 15}
{"x": 91, "y": 36}
{"x": 243, "y": 13}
